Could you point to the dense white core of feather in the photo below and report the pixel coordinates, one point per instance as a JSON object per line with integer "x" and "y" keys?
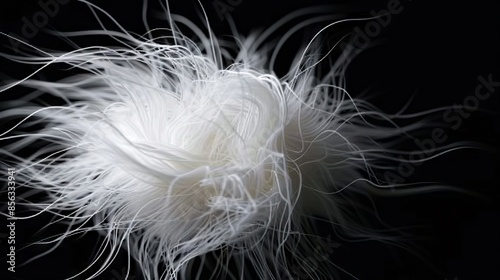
{"x": 203, "y": 163}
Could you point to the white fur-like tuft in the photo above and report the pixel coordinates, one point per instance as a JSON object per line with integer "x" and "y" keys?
{"x": 175, "y": 156}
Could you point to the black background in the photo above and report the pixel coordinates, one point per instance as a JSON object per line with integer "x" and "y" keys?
{"x": 432, "y": 51}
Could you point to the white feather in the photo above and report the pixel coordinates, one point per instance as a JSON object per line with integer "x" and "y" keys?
{"x": 174, "y": 156}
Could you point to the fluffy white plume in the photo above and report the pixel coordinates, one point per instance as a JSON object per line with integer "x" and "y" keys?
{"x": 176, "y": 149}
